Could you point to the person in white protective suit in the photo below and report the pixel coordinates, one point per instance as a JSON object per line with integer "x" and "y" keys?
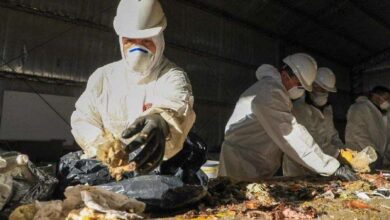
{"x": 263, "y": 127}
{"x": 368, "y": 125}
{"x": 143, "y": 99}
{"x": 315, "y": 113}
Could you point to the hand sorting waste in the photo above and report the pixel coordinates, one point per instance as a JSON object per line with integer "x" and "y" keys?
{"x": 345, "y": 173}
{"x": 114, "y": 156}
{"x": 359, "y": 161}
{"x": 152, "y": 132}
{"x": 175, "y": 183}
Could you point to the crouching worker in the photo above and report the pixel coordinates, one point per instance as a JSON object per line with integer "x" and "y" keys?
{"x": 145, "y": 103}
{"x": 263, "y": 127}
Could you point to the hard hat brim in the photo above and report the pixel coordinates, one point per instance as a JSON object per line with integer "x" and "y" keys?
{"x": 327, "y": 88}
{"x": 305, "y": 85}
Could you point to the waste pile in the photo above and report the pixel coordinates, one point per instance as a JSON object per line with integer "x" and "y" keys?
{"x": 92, "y": 189}
{"x": 296, "y": 198}
{"x": 82, "y": 202}
{"x": 21, "y": 182}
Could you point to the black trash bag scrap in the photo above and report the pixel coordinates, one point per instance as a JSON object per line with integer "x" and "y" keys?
{"x": 74, "y": 171}
{"x": 41, "y": 189}
{"x": 157, "y": 191}
{"x": 161, "y": 192}
{"x": 29, "y": 183}
{"x": 176, "y": 183}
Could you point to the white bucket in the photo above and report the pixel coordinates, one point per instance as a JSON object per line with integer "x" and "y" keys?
{"x": 211, "y": 168}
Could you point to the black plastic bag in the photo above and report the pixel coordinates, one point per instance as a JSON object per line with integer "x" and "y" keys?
{"x": 190, "y": 159}
{"x": 159, "y": 191}
{"x": 176, "y": 183}
{"x": 29, "y": 183}
{"x": 74, "y": 171}
{"x": 41, "y": 189}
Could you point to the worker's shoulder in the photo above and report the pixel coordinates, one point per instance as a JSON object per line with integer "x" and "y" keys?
{"x": 113, "y": 67}
{"x": 97, "y": 78}
{"x": 358, "y": 106}
{"x": 270, "y": 88}
{"x": 171, "y": 72}
{"x": 106, "y": 69}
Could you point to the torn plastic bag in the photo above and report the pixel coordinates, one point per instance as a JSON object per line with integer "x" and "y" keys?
{"x": 178, "y": 182}
{"x": 42, "y": 188}
{"x": 74, "y": 171}
{"x": 190, "y": 159}
{"x": 28, "y": 182}
{"x": 158, "y": 191}
{"x": 161, "y": 192}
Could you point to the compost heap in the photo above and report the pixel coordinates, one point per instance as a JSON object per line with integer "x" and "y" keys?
{"x": 296, "y": 198}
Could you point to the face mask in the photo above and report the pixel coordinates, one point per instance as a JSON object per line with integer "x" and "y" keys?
{"x": 138, "y": 58}
{"x": 319, "y": 98}
{"x": 296, "y": 92}
{"x": 385, "y": 105}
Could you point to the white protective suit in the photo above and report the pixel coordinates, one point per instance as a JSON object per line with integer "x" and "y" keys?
{"x": 367, "y": 126}
{"x": 115, "y": 97}
{"x": 262, "y": 127}
{"x": 320, "y": 125}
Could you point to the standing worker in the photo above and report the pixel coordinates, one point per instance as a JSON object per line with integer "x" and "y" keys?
{"x": 315, "y": 113}
{"x": 368, "y": 125}
{"x": 142, "y": 94}
{"x": 263, "y": 127}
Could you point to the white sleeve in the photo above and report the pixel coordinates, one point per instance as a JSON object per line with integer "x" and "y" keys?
{"x": 175, "y": 104}
{"x": 291, "y": 137}
{"x": 87, "y": 126}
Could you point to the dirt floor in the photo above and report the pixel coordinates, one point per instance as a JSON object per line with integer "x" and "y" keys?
{"x": 295, "y": 198}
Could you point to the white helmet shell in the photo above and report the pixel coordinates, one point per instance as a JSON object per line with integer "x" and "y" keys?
{"x": 138, "y": 19}
{"x": 326, "y": 79}
{"x": 304, "y": 67}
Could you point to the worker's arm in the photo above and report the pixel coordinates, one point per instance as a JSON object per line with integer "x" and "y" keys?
{"x": 174, "y": 102}
{"x": 275, "y": 116}
{"x": 86, "y": 122}
{"x": 335, "y": 142}
{"x": 357, "y": 136}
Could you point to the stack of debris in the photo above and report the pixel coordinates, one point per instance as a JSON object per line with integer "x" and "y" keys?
{"x": 296, "y": 198}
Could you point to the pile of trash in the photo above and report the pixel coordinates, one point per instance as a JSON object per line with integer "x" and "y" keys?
{"x": 83, "y": 202}
{"x": 92, "y": 189}
{"x": 99, "y": 188}
{"x": 21, "y": 182}
{"x": 296, "y": 198}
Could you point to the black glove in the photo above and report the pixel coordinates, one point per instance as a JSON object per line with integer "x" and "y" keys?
{"x": 345, "y": 173}
{"x": 153, "y": 130}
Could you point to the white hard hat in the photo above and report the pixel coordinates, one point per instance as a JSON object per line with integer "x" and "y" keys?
{"x": 326, "y": 79}
{"x": 304, "y": 67}
{"x": 139, "y": 19}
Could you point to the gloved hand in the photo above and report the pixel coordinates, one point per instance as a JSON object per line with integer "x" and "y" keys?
{"x": 153, "y": 130}
{"x": 345, "y": 173}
